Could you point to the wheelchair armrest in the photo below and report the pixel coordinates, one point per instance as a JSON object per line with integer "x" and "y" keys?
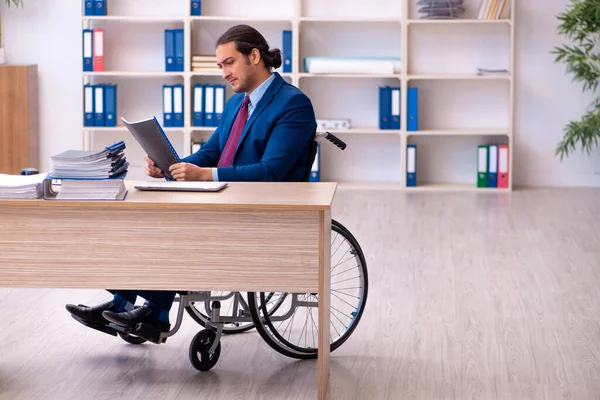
{"x": 332, "y": 138}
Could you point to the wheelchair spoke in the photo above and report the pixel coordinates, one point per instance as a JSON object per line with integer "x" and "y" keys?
{"x": 344, "y": 280}
{"x": 333, "y": 294}
{"x": 315, "y": 326}
{"x": 335, "y": 251}
{"x": 341, "y": 313}
{"x": 342, "y": 262}
{"x": 346, "y": 294}
{"x": 339, "y": 273}
{"x": 336, "y": 331}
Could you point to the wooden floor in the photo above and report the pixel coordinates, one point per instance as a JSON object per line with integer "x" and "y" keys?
{"x": 472, "y": 296}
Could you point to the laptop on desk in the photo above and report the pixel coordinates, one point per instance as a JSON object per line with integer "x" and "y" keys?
{"x": 184, "y": 186}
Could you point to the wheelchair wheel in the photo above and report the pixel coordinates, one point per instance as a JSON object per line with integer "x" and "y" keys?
{"x": 293, "y": 329}
{"x": 200, "y": 356}
{"x": 230, "y": 302}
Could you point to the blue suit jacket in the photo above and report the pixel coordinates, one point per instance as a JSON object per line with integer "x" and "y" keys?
{"x": 275, "y": 141}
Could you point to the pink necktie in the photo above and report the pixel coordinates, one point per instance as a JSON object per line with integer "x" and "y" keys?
{"x": 234, "y": 135}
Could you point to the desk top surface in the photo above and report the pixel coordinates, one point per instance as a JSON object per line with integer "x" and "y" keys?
{"x": 247, "y": 195}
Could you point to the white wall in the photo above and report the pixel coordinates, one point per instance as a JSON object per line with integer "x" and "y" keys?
{"x": 48, "y": 33}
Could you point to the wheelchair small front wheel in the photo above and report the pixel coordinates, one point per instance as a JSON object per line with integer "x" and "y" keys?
{"x": 200, "y": 356}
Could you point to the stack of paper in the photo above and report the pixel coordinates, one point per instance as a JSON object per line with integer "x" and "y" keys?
{"x": 484, "y": 71}
{"x": 205, "y": 63}
{"x": 441, "y": 9}
{"x": 75, "y": 189}
{"x": 352, "y": 65}
{"x": 88, "y": 175}
{"x": 21, "y": 186}
{"x": 94, "y": 164}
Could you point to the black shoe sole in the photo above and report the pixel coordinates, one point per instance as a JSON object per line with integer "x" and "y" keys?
{"x": 97, "y": 326}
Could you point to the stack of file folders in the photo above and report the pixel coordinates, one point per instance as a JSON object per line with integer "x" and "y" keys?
{"x": 21, "y": 186}
{"x": 441, "y": 9}
{"x": 88, "y": 175}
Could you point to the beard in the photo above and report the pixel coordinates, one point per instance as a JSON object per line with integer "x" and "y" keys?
{"x": 247, "y": 82}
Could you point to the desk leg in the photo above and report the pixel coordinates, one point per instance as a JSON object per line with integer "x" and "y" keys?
{"x": 324, "y": 303}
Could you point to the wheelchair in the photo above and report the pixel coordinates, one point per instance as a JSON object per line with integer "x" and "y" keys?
{"x": 288, "y": 322}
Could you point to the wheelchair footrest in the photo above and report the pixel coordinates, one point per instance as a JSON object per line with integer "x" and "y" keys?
{"x": 99, "y": 327}
{"x": 149, "y": 332}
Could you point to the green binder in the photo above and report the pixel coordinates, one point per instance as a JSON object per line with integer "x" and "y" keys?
{"x": 482, "y": 165}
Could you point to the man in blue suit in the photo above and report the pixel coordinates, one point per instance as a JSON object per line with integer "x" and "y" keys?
{"x": 264, "y": 135}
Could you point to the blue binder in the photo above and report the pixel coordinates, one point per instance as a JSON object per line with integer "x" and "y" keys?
{"x": 167, "y": 106}
{"x": 413, "y": 109}
{"x": 196, "y": 7}
{"x": 179, "y": 50}
{"x": 88, "y": 50}
{"x": 198, "y": 110}
{"x": 88, "y": 105}
{"x": 219, "y": 104}
{"x": 177, "y": 105}
{"x": 395, "y": 108}
{"x": 385, "y": 107}
{"x": 88, "y": 7}
{"x": 492, "y": 175}
{"x": 287, "y": 51}
{"x": 411, "y": 165}
{"x": 100, "y": 7}
{"x": 110, "y": 104}
{"x": 99, "y": 115}
{"x": 209, "y": 105}
{"x": 169, "y": 50}
{"x": 315, "y": 171}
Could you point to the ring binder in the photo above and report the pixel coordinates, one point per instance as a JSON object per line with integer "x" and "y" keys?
{"x": 155, "y": 143}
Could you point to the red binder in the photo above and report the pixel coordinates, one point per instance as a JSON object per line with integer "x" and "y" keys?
{"x": 98, "y": 50}
{"x": 503, "y": 166}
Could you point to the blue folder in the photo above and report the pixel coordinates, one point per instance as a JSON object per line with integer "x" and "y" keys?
{"x": 179, "y": 50}
{"x": 169, "y": 50}
{"x": 88, "y": 7}
{"x": 198, "y": 108}
{"x": 315, "y": 173}
{"x": 88, "y": 105}
{"x": 385, "y": 107}
{"x": 99, "y": 111}
{"x": 110, "y": 104}
{"x": 413, "y": 109}
{"x": 411, "y": 165}
{"x": 287, "y": 51}
{"x": 196, "y": 8}
{"x": 100, "y": 7}
{"x": 167, "y": 97}
{"x": 178, "y": 101}
{"x": 88, "y": 42}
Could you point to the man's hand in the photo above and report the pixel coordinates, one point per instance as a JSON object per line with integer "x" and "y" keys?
{"x": 190, "y": 172}
{"x": 152, "y": 170}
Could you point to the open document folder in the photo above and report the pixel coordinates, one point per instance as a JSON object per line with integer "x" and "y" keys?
{"x": 21, "y": 186}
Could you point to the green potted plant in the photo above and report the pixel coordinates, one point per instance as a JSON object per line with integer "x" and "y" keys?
{"x": 16, "y": 3}
{"x": 580, "y": 23}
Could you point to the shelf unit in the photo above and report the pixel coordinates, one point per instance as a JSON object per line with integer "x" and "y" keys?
{"x": 374, "y": 157}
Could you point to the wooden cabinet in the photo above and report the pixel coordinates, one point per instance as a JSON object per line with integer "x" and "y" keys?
{"x": 19, "y": 127}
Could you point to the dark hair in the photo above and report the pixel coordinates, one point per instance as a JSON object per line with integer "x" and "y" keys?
{"x": 247, "y": 38}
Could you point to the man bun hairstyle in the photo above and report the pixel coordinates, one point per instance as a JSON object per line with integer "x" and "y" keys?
{"x": 247, "y": 38}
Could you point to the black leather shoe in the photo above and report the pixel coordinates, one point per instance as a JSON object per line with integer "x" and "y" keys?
{"x": 129, "y": 319}
{"x": 90, "y": 314}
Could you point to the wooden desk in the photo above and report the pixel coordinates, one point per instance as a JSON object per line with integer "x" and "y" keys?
{"x": 251, "y": 237}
